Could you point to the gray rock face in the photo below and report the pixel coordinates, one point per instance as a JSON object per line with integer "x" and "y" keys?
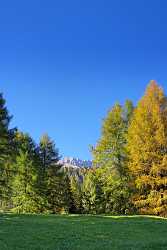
{"x": 76, "y": 162}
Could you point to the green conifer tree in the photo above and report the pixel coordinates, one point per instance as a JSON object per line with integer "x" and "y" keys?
{"x": 110, "y": 158}
{"x": 6, "y": 142}
{"x": 25, "y": 196}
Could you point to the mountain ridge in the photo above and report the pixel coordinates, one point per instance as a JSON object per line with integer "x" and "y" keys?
{"x": 76, "y": 162}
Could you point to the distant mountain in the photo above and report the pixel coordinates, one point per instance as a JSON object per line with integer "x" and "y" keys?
{"x": 75, "y": 162}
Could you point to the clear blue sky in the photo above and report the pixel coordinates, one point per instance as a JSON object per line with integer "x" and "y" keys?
{"x": 64, "y": 63}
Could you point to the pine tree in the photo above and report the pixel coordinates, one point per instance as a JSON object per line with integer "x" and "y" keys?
{"x": 48, "y": 167}
{"x": 67, "y": 194}
{"x": 54, "y": 183}
{"x": 58, "y": 190}
{"x": 49, "y": 155}
{"x": 147, "y": 145}
{"x": 55, "y": 189}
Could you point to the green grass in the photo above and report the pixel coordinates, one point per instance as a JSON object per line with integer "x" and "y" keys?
{"x": 49, "y": 232}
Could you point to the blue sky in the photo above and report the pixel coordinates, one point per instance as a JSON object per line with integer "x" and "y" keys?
{"x": 64, "y": 63}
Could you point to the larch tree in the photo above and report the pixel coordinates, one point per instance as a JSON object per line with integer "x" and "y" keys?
{"x": 110, "y": 151}
{"x": 89, "y": 192}
{"x": 110, "y": 157}
{"x": 25, "y": 196}
{"x": 76, "y": 194}
{"x": 147, "y": 147}
{"x": 6, "y": 142}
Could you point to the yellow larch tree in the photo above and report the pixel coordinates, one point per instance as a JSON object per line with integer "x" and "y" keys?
{"x": 147, "y": 147}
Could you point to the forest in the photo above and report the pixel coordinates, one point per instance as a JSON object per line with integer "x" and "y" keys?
{"x": 128, "y": 176}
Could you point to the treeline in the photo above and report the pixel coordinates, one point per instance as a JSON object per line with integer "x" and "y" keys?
{"x": 129, "y": 173}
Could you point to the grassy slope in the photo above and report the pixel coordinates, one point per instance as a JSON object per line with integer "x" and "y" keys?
{"x": 37, "y": 232}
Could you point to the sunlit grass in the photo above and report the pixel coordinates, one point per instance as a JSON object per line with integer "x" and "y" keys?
{"x": 54, "y": 232}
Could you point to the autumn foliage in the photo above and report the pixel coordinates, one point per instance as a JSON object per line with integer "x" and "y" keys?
{"x": 147, "y": 148}
{"x": 128, "y": 176}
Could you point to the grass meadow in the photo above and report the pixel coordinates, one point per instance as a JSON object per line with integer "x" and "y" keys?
{"x": 67, "y": 232}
